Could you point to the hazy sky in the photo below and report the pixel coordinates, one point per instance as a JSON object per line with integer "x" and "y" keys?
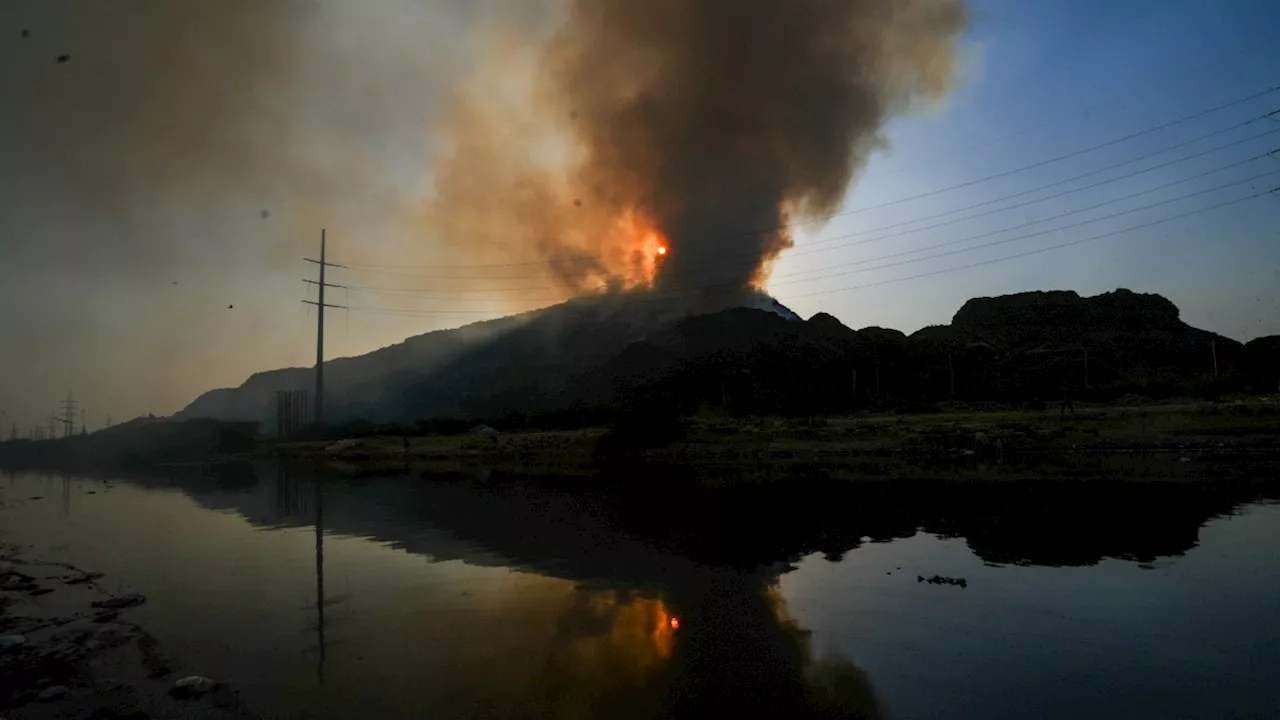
{"x": 137, "y": 174}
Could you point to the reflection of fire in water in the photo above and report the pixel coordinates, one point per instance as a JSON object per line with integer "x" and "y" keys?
{"x": 640, "y": 630}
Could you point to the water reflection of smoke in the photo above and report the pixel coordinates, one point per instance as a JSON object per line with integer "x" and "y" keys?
{"x": 735, "y": 652}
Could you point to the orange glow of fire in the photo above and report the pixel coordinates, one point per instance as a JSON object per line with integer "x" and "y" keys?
{"x": 637, "y": 249}
{"x": 675, "y": 623}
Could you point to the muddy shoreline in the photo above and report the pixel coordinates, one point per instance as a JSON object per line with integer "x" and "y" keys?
{"x": 69, "y": 649}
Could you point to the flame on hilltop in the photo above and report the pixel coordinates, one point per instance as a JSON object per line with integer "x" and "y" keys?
{"x": 642, "y": 249}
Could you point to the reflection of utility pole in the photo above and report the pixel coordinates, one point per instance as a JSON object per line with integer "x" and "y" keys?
{"x": 319, "y": 419}
{"x": 320, "y": 574}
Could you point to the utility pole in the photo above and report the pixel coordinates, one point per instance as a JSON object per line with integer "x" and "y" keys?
{"x": 13, "y": 434}
{"x": 1213, "y": 348}
{"x": 319, "y": 419}
{"x": 84, "y": 430}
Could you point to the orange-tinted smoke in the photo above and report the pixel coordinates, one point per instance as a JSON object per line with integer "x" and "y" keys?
{"x": 713, "y": 122}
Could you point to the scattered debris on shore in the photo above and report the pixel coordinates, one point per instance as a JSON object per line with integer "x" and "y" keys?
{"x": 68, "y": 649}
{"x": 941, "y": 580}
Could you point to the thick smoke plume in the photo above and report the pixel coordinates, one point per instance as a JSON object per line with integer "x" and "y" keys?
{"x": 702, "y": 128}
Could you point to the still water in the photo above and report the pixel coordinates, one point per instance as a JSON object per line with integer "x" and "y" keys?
{"x": 422, "y": 597}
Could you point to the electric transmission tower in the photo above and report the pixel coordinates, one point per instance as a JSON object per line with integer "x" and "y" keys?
{"x": 69, "y": 407}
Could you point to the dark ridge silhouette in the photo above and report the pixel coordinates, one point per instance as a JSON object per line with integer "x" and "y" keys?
{"x": 603, "y": 351}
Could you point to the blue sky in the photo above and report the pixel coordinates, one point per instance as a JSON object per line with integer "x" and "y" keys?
{"x": 1048, "y": 79}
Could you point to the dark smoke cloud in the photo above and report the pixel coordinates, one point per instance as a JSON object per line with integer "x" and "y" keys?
{"x": 716, "y": 121}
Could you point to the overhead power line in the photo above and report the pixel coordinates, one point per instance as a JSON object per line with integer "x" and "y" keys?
{"x": 713, "y": 291}
{"x": 1178, "y": 75}
{"x": 959, "y": 241}
{"x": 809, "y": 248}
{"x": 1030, "y": 235}
{"x": 891, "y": 203}
{"x": 1046, "y": 249}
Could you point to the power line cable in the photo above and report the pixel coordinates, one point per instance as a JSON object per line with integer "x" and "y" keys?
{"x": 899, "y": 201}
{"x": 1112, "y": 201}
{"x": 807, "y": 248}
{"x": 1028, "y": 236}
{"x": 978, "y": 236}
{"x": 1178, "y": 76}
{"x": 934, "y": 273}
{"x": 723, "y": 289}
{"x": 1045, "y": 249}
{"x": 1056, "y": 183}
